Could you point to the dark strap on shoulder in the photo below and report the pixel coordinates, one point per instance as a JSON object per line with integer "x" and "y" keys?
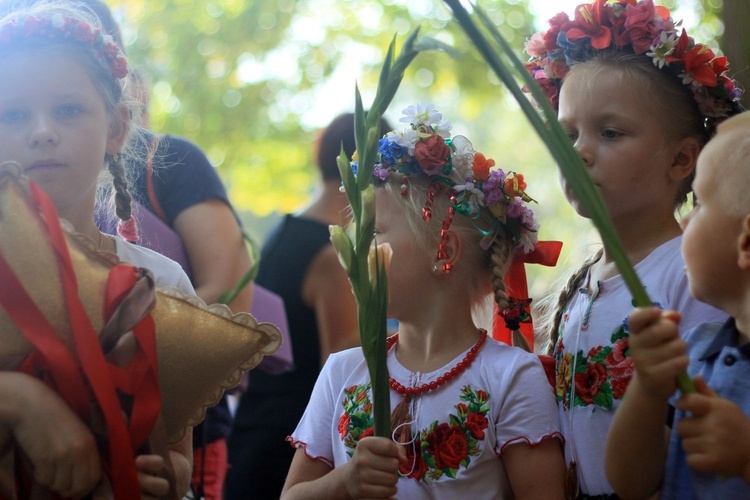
{"x": 152, "y": 198}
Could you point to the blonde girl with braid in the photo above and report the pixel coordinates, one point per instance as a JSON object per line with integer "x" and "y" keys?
{"x": 471, "y": 417}
{"x": 64, "y": 121}
{"x": 639, "y": 99}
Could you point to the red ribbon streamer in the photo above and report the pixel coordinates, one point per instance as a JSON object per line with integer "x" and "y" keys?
{"x": 545, "y": 253}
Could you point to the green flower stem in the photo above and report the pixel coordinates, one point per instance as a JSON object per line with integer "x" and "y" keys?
{"x": 371, "y": 291}
{"x": 559, "y": 145}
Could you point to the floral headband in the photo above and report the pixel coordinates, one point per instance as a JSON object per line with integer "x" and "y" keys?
{"x": 466, "y": 176}
{"x": 647, "y": 30}
{"x": 57, "y": 26}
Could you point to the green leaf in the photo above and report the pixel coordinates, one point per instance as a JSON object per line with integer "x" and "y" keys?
{"x": 228, "y": 296}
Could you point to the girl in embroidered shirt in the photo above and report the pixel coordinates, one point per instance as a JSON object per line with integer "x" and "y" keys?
{"x": 480, "y": 417}
{"x": 639, "y": 100}
{"x": 62, "y": 118}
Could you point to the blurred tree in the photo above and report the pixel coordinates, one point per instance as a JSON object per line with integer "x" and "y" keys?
{"x": 246, "y": 79}
{"x": 251, "y": 80}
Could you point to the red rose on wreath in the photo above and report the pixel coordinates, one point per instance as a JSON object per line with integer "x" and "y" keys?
{"x": 344, "y": 425}
{"x": 447, "y": 443}
{"x": 476, "y": 423}
{"x": 556, "y": 23}
{"x": 414, "y": 467}
{"x": 432, "y": 154}
{"x": 589, "y": 382}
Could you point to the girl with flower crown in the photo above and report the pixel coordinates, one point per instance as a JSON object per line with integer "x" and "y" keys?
{"x": 63, "y": 119}
{"x": 470, "y": 416}
{"x": 639, "y": 99}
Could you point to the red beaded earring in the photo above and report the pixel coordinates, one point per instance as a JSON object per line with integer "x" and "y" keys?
{"x": 442, "y": 246}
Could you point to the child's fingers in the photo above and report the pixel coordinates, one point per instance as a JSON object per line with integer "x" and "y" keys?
{"x": 672, "y": 316}
{"x": 149, "y": 464}
{"x": 151, "y": 476}
{"x": 698, "y": 405}
{"x": 380, "y": 446}
{"x": 80, "y": 480}
{"x": 702, "y": 387}
{"x": 402, "y": 459}
{"x": 641, "y": 317}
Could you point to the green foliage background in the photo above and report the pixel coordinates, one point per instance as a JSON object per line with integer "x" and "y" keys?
{"x": 246, "y": 80}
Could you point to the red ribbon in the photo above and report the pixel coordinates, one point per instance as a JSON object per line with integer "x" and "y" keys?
{"x": 545, "y": 253}
{"x": 80, "y": 377}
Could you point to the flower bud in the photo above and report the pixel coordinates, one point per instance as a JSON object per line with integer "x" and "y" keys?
{"x": 343, "y": 246}
{"x": 368, "y": 208}
{"x": 382, "y": 254}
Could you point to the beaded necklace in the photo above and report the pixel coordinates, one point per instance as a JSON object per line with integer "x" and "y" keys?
{"x": 401, "y": 413}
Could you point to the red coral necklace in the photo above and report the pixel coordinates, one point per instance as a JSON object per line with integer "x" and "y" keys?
{"x": 401, "y": 433}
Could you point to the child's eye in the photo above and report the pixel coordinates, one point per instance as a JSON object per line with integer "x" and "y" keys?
{"x": 572, "y": 136}
{"x": 69, "y": 110}
{"x": 611, "y": 134}
{"x": 11, "y": 115}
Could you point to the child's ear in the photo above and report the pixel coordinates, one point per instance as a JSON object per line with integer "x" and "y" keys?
{"x": 685, "y": 159}
{"x": 743, "y": 248}
{"x": 118, "y": 129}
{"x": 453, "y": 249}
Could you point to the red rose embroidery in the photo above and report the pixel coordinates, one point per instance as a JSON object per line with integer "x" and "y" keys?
{"x": 370, "y": 431}
{"x": 414, "y": 467}
{"x": 432, "y": 154}
{"x": 344, "y": 425}
{"x": 619, "y": 385}
{"x": 589, "y": 382}
{"x": 448, "y": 445}
{"x": 618, "y": 364}
{"x": 476, "y": 423}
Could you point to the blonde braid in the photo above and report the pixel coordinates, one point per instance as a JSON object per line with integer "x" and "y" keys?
{"x": 571, "y": 287}
{"x": 501, "y": 254}
{"x": 122, "y": 196}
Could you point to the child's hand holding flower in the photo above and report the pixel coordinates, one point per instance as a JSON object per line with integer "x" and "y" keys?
{"x": 658, "y": 352}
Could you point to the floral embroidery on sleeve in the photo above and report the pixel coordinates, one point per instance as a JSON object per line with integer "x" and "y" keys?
{"x": 356, "y": 422}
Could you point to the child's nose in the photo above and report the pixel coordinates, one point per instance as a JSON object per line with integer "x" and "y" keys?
{"x": 583, "y": 151}
{"x": 43, "y": 133}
